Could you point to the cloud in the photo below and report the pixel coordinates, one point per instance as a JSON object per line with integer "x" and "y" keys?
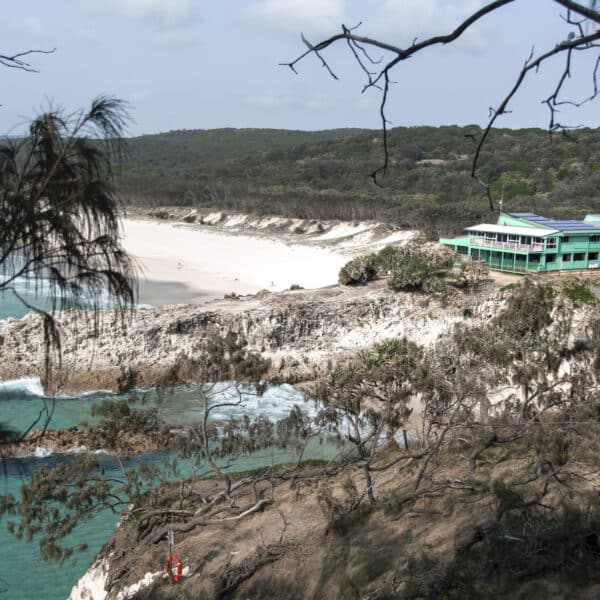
{"x": 405, "y": 20}
{"x": 175, "y": 38}
{"x": 267, "y": 100}
{"x": 368, "y": 103}
{"x": 88, "y": 34}
{"x": 318, "y": 102}
{"x": 317, "y": 17}
{"x": 32, "y": 25}
{"x": 168, "y": 13}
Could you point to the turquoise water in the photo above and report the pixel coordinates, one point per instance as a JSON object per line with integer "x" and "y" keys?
{"x": 11, "y": 306}
{"x": 22, "y": 400}
{"x": 37, "y": 295}
{"x": 22, "y": 575}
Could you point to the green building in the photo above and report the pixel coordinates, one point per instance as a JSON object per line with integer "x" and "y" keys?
{"x": 525, "y": 243}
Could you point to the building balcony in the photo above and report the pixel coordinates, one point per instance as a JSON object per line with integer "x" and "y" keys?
{"x": 487, "y": 243}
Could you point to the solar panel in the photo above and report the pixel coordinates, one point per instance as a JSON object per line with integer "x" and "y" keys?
{"x": 565, "y": 225}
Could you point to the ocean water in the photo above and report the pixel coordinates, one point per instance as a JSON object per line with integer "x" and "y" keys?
{"x": 11, "y": 306}
{"x": 37, "y": 295}
{"x": 23, "y": 576}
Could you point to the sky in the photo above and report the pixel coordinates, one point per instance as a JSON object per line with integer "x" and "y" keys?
{"x": 203, "y": 64}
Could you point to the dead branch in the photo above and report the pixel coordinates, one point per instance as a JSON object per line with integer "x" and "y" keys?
{"x": 380, "y": 78}
{"x": 15, "y": 61}
{"x": 190, "y": 525}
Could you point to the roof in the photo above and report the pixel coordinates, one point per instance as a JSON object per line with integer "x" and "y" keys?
{"x": 570, "y": 225}
{"x": 513, "y": 230}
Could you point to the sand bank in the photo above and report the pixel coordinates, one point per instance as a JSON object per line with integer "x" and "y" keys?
{"x": 179, "y": 263}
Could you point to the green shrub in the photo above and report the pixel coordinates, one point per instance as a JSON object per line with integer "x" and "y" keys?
{"x": 578, "y": 291}
{"x": 391, "y": 258}
{"x": 412, "y": 275}
{"x": 295, "y": 286}
{"x": 359, "y": 270}
{"x": 413, "y": 266}
{"x": 388, "y": 259}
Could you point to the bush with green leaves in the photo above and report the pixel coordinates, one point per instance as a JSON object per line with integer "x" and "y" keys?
{"x": 410, "y": 265}
{"x": 579, "y": 291}
{"x": 359, "y": 270}
{"x": 415, "y": 266}
{"x": 413, "y": 275}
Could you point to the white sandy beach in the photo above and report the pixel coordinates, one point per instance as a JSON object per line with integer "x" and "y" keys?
{"x": 183, "y": 264}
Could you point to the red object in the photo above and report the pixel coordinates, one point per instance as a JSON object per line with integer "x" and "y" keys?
{"x": 174, "y": 568}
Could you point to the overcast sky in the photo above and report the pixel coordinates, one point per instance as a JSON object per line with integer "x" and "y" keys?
{"x": 189, "y": 64}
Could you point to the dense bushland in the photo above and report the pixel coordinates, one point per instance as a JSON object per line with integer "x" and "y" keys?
{"x": 325, "y": 174}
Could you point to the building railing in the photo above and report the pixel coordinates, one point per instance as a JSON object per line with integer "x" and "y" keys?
{"x": 480, "y": 241}
{"x": 500, "y": 266}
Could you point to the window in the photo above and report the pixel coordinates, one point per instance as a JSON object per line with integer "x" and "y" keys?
{"x": 550, "y": 258}
{"x": 551, "y": 243}
{"x": 593, "y": 256}
{"x": 579, "y": 256}
{"x": 566, "y": 257}
{"x": 594, "y": 238}
{"x": 566, "y": 239}
{"x": 534, "y": 258}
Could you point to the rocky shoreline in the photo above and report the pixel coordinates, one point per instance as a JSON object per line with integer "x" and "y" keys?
{"x": 301, "y": 332}
{"x": 74, "y": 440}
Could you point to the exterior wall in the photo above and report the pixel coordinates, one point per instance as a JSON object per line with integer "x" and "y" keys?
{"x": 519, "y": 261}
{"x": 572, "y": 244}
{"x": 565, "y": 250}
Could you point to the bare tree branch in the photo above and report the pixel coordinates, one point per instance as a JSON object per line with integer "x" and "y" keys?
{"x": 15, "y": 61}
{"x": 381, "y": 79}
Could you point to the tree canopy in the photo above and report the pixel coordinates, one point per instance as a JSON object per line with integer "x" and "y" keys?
{"x": 59, "y": 214}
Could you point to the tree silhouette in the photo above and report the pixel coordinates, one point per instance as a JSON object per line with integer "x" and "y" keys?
{"x": 59, "y": 214}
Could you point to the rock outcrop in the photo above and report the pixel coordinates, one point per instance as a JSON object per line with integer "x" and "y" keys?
{"x": 41, "y": 442}
{"x": 301, "y": 332}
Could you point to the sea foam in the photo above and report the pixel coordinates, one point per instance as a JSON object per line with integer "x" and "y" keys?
{"x": 30, "y": 387}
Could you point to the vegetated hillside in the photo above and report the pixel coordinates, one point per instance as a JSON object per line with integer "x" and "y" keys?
{"x": 325, "y": 174}
{"x": 466, "y": 468}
